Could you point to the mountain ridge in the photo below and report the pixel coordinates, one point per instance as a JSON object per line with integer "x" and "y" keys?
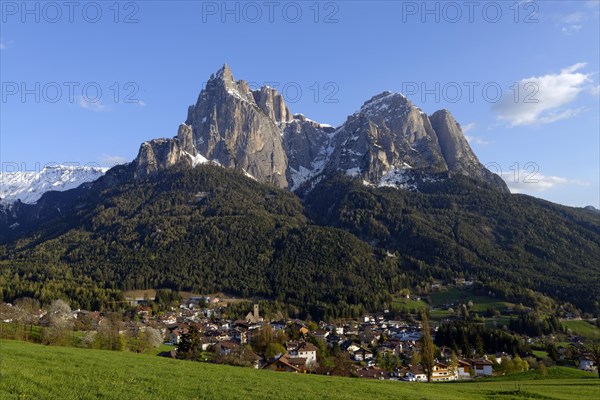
{"x": 28, "y": 186}
{"x": 255, "y": 132}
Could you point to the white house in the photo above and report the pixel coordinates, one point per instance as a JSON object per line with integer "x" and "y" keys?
{"x": 307, "y": 351}
{"x": 483, "y": 367}
{"x": 416, "y": 374}
{"x": 353, "y": 347}
{"x": 463, "y": 369}
{"x": 586, "y": 364}
{"x": 362, "y": 354}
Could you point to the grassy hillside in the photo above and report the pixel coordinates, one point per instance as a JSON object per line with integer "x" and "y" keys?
{"x": 583, "y": 328}
{"x": 29, "y": 371}
{"x": 458, "y": 296}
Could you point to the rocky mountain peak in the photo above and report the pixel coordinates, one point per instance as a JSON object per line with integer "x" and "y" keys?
{"x": 224, "y": 74}
{"x": 386, "y": 134}
{"x": 384, "y": 101}
{"x": 457, "y": 152}
{"x": 272, "y": 104}
{"x": 160, "y": 154}
{"x": 239, "y": 128}
{"x": 253, "y": 131}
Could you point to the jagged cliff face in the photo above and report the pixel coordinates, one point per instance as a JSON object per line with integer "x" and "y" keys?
{"x": 459, "y": 157}
{"x": 160, "y": 154}
{"x": 255, "y": 132}
{"x": 388, "y": 132}
{"x": 238, "y": 127}
{"x": 389, "y": 137}
{"x": 307, "y": 145}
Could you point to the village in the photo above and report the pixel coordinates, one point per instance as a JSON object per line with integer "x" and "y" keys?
{"x": 367, "y": 344}
{"x": 376, "y": 346}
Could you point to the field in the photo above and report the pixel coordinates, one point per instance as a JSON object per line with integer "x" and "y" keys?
{"x": 583, "y": 328}
{"x": 449, "y": 295}
{"x": 455, "y": 295}
{"x": 410, "y": 304}
{"x": 31, "y": 371}
{"x": 151, "y": 294}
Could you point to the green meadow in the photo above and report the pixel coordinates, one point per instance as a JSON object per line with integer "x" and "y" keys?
{"x": 457, "y": 295}
{"x": 583, "y": 328}
{"x": 32, "y": 371}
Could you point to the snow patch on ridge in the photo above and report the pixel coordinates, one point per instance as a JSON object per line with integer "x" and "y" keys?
{"x": 197, "y": 159}
{"x": 28, "y": 187}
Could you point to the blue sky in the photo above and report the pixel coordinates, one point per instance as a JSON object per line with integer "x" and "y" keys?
{"x": 521, "y": 77}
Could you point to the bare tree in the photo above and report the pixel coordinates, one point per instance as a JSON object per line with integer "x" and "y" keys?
{"x": 58, "y": 321}
{"x": 108, "y": 336}
{"x": 153, "y": 337}
{"x": 592, "y": 349}
{"x": 27, "y": 314}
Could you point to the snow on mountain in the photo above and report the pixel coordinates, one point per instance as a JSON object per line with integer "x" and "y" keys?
{"x": 29, "y": 186}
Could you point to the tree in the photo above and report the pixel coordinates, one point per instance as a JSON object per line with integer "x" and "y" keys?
{"x": 322, "y": 351}
{"x": 507, "y": 364}
{"x": 189, "y": 347}
{"x": 427, "y": 347}
{"x": 58, "y": 320}
{"x": 280, "y": 337}
{"x": 108, "y": 336}
{"x": 27, "y": 308}
{"x": 479, "y": 346}
{"x": 520, "y": 365}
{"x": 153, "y": 337}
{"x": 415, "y": 357}
{"x": 542, "y": 369}
{"x": 593, "y": 350}
{"x": 553, "y": 352}
{"x": 343, "y": 365}
{"x": 261, "y": 339}
{"x": 453, "y": 365}
{"x": 274, "y": 349}
{"x": 464, "y": 312}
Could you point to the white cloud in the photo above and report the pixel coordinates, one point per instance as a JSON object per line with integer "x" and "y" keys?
{"x": 570, "y": 29}
{"x": 541, "y": 99}
{"x": 557, "y": 116}
{"x": 473, "y": 139}
{"x": 573, "y": 18}
{"x": 141, "y": 103}
{"x": 476, "y": 140}
{"x": 531, "y": 181}
{"x": 112, "y": 160}
{"x": 470, "y": 126}
{"x": 572, "y": 23}
{"x": 93, "y": 106}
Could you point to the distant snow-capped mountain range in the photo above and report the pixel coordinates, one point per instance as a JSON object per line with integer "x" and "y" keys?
{"x": 29, "y": 186}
